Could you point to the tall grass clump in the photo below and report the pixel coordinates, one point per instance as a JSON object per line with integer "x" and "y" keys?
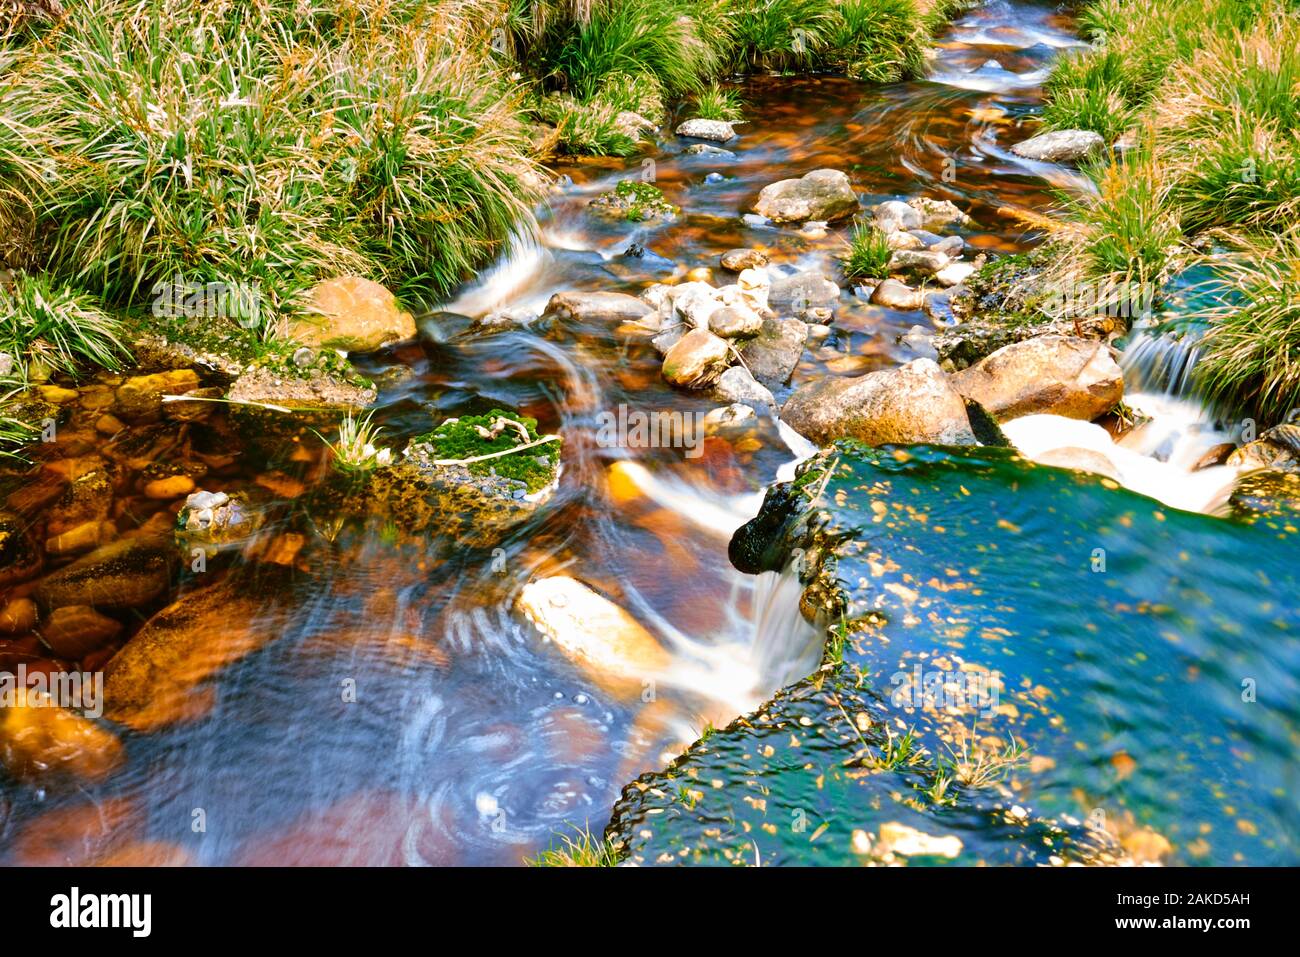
{"x": 868, "y": 252}
{"x": 878, "y": 40}
{"x": 47, "y": 328}
{"x": 1251, "y": 347}
{"x": 1207, "y": 94}
{"x": 717, "y": 103}
{"x": 270, "y": 144}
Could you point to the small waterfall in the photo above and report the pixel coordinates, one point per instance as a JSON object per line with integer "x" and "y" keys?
{"x": 514, "y": 274}
{"x": 1162, "y": 361}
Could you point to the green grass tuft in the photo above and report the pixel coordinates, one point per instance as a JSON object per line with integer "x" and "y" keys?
{"x": 581, "y": 849}
{"x": 47, "y": 328}
{"x": 867, "y": 256}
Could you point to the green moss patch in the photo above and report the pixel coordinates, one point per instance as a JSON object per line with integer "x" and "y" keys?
{"x": 461, "y": 439}
{"x": 635, "y": 201}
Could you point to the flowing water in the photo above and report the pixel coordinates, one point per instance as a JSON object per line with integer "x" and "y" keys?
{"x": 398, "y": 708}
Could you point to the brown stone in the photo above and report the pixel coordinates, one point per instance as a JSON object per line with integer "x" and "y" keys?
{"x": 74, "y": 631}
{"x": 353, "y": 314}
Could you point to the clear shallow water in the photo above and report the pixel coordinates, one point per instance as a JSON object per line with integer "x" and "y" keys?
{"x": 470, "y": 740}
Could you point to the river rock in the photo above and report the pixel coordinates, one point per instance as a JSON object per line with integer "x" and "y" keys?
{"x": 1079, "y": 459}
{"x": 74, "y": 631}
{"x": 735, "y": 322}
{"x": 894, "y": 216}
{"x": 950, "y": 246}
{"x": 893, "y": 294}
{"x": 140, "y": 397}
{"x": 633, "y": 125}
{"x": 823, "y": 194}
{"x": 18, "y": 616}
{"x": 1059, "y": 375}
{"x": 738, "y": 260}
{"x": 20, "y": 558}
{"x": 696, "y": 360}
{"x": 719, "y": 131}
{"x": 38, "y": 738}
{"x": 913, "y": 403}
{"x": 899, "y": 239}
{"x": 954, "y": 273}
{"x": 87, "y": 498}
{"x": 583, "y": 306}
{"x": 214, "y": 521}
{"x": 773, "y": 354}
{"x": 81, "y": 538}
{"x": 964, "y": 344}
{"x": 708, "y": 149}
{"x": 803, "y": 289}
{"x": 1060, "y": 146}
{"x": 728, "y": 416}
{"x": 1276, "y": 448}
{"x": 151, "y": 681}
{"x": 937, "y": 214}
{"x": 271, "y": 409}
{"x": 920, "y": 262}
{"x": 123, "y": 574}
{"x": 353, "y": 314}
{"x": 605, "y": 641}
{"x": 737, "y": 385}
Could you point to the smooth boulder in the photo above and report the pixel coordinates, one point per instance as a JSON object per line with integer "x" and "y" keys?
{"x": 696, "y": 360}
{"x": 913, "y": 403}
{"x": 1058, "y": 375}
{"x": 353, "y": 314}
{"x": 1060, "y": 146}
{"x": 597, "y": 307}
{"x": 823, "y": 194}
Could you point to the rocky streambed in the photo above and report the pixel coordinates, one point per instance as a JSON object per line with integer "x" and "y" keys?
{"x": 578, "y": 554}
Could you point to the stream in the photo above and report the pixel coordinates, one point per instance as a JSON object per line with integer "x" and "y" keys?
{"x": 465, "y": 738}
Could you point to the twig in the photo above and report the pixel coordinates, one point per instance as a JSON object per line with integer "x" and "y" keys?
{"x": 496, "y": 455}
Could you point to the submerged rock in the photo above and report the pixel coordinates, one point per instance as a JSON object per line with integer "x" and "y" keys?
{"x": 582, "y": 306}
{"x": 38, "y": 738}
{"x": 913, "y": 403}
{"x": 121, "y": 575}
{"x": 74, "y": 631}
{"x": 1077, "y": 378}
{"x": 708, "y": 149}
{"x": 605, "y": 641}
{"x": 20, "y": 558}
{"x": 353, "y": 314}
{"x": 823, "y": 194}
{"x": 215, "y": 520}
{"x": 1060, "y": 146}
{"x": 443, "y": 484}
{"x": 140, "y": 397}
{"x": 738, "y": 260}
{"x": 153, "y": 680}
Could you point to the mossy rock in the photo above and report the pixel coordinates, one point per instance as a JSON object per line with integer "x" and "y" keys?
{"x": 635, "y": 201}
{"x": 474, "y": 505}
